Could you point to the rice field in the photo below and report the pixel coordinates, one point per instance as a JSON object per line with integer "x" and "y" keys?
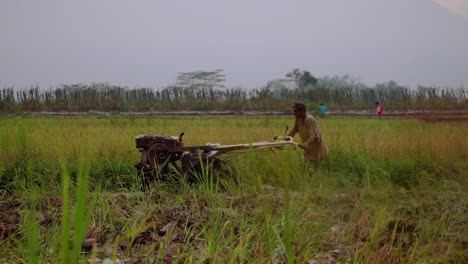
{"x": 390, "y": 191}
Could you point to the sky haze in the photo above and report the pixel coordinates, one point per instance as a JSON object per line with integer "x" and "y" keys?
{"x": 147, "y": 42}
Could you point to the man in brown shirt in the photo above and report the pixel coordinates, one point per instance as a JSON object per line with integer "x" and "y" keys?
{"x": 308, "y": 129}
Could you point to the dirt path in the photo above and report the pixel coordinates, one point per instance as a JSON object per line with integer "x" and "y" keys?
{"x": 424, "y": 115}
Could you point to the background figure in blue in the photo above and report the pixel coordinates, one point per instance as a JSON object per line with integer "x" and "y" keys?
{"x": 322, "y": 110}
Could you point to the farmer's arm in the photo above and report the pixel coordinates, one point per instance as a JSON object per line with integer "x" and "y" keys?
{"x": 294, "y": 129}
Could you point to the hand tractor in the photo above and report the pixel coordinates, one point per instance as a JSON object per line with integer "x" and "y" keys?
{"x": 165, "y": 155}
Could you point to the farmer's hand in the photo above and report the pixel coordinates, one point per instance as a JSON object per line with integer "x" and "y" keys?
{"x": 303, "y": 146}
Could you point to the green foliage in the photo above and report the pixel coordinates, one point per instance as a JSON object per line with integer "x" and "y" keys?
{"x": 79, "y": 220}
{"x": 32, "y": 232}
{"x": 389, "y": 191}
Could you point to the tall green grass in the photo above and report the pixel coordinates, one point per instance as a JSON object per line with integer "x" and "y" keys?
{"x": 389, "y": 192}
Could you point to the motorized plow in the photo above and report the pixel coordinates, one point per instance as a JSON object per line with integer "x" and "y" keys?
{"x": 165, "y": 155}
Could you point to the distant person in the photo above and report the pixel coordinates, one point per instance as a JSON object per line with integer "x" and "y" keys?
{"x": 312, "y": 143}
{"x": 323, "y": 110}
{"x": 379, "y": 110}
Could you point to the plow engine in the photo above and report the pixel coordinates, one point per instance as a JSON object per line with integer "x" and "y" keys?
{"x": 163, "y": 155}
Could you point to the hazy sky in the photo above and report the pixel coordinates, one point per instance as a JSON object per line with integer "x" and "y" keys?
{"x": 146, "y": 42}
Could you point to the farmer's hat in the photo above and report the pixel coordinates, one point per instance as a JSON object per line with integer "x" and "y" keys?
{"x": 299, "y": 106}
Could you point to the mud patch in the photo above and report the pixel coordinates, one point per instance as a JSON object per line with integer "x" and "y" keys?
{"x": 10, "y": 219}
{"x": 440, "y": 119}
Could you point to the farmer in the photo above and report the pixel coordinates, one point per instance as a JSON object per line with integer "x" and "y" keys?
{"x": 322, "y": 110}
{"x": 379, "y": 110}
{"x": 312, "y": 143}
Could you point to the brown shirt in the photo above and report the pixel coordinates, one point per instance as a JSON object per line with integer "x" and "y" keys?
{"x": 309, "y": 132}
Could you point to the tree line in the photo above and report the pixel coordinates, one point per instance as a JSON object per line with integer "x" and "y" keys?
{"x": 208, "y": 93}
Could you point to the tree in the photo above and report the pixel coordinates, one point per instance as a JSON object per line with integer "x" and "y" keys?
{"x": 201, "y": 79}
{"x": 303, "y": 79}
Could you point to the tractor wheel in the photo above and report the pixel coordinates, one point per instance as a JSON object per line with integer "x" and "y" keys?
{"x": 158, "y": 157}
